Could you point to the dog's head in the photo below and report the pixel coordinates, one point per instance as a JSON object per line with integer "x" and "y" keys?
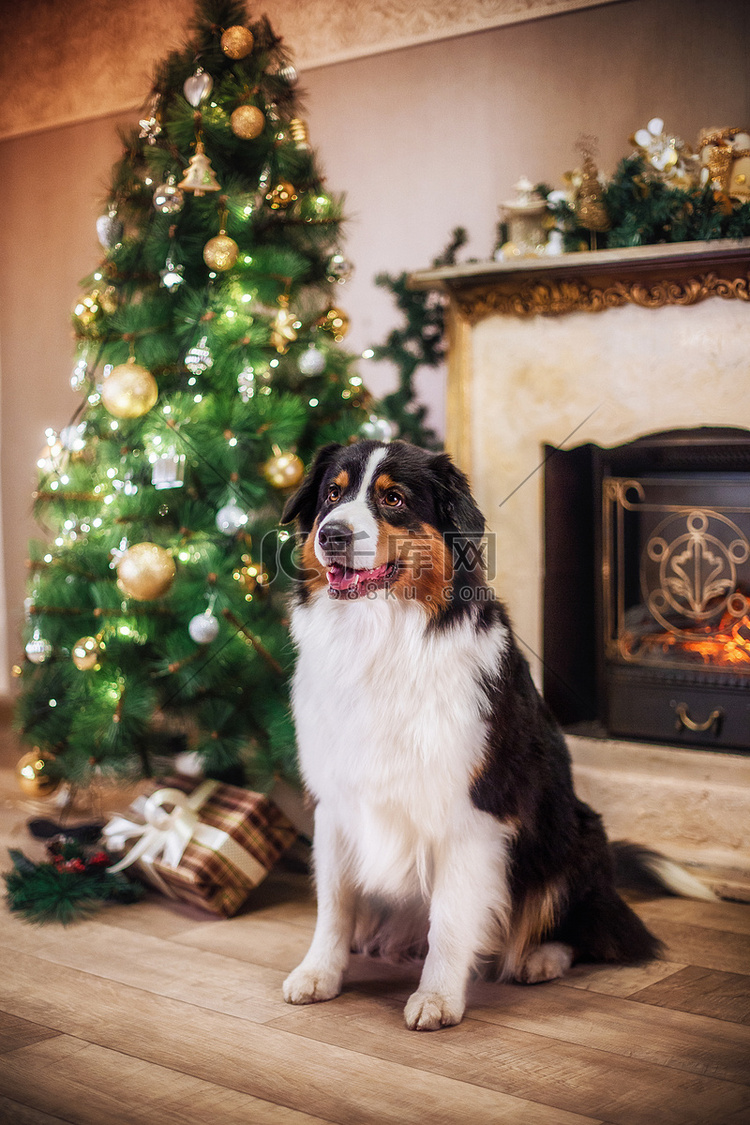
{"x": 376, "y": 516}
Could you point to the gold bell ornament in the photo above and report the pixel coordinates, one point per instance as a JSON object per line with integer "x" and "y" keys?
{"x": 221, "y": 252}
{"x": 129, "y": 391}
{"x": 145, "y": 571}
{"x": 237, "y": 42}
{"x": 86, "y": 653}
{"x": 37, "y": 773}
{"x": 200, "y": 176}
{"x": 284, "y": 327}
{"x": 283, "y": 469}
{"x": 247, "y": 122}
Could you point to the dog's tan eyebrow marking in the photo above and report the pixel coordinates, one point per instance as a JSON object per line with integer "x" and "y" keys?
{"x": 342, "y": 479}
{"x": 384, "y": 481}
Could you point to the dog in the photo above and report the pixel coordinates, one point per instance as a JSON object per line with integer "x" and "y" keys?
{"x": 446, "y": 822}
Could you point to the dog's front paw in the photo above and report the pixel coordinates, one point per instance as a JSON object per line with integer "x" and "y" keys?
{"x": 427, "y": 1011}
{"x": 308, "y": 984}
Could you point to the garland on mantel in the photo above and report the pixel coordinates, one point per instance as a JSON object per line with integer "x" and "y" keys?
{"x": 643, "y": 211}
{"x": 663, "y": 192}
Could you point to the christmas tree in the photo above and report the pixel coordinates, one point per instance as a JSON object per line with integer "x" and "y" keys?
{"x": 209, "y": 369}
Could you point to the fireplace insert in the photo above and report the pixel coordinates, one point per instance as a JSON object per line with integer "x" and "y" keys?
{"x": 647, "y": 587}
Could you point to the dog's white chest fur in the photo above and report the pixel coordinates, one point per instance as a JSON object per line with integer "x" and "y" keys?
{"x": 391, "y": 724}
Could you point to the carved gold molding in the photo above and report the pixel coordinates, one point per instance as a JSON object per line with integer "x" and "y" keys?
{"x": 553, "y": 298}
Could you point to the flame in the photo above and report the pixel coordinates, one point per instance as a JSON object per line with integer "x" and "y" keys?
{"x": 726, "y": 646}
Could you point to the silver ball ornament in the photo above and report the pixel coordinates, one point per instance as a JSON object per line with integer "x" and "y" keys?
{"x": 339, "y": 268}
{"x": 109, "y": 230}
{"x": 312, "y": 361}
{"x": 168, "y": 199}
{"x": 38, "y": 649}
{"x": 378, "y": 429}
{"x": 231, "y": 518}
{"x": 203, "y": 628}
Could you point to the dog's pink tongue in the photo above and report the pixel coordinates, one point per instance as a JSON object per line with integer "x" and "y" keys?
{"x": 342, "y": 578}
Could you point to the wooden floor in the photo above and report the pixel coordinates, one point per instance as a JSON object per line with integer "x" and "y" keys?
{"x": 156, "y": 1013}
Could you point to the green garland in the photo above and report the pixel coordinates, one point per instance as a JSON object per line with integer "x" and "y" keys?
{"x": 420, "y": 342}
{"x": 644, "y": 210}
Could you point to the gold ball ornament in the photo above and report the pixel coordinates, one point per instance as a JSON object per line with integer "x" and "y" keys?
{"x": 247, "y": 122}
{"x": 281, "y": 195}
{"x": 283, "y": 470}
{"x": 145, "y": 571}
{"x": 237, "y": 42}
{"x": 86, "y": 653}
{"x": 37, "y": 773}
{"x": 336, "y": 322}
{"x": 220, "y": 253}
{"x": 129, "y": 391}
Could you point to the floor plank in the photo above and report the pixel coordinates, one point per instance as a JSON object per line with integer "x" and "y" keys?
{"x": 653, "y": 1034}
{"x": 203, "y": 979}
{"x": 617, "y": 1088}
{"x": 326, "y": 1081}
{"x": 18, "y": 1114}
{"x": 15, "y": 1032}
{"x": 91, "y": 1085}
{"x": 705, "y": 992}
{"x": 619, "y": 980}
{"x": 265, "y": 940}
{"x": 691, "y": 944}
{"x": 730, "y": 916}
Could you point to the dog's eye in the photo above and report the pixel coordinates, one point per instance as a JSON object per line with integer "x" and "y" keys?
{"x": 334, "y": 494}
{"x": 393, "y": 498}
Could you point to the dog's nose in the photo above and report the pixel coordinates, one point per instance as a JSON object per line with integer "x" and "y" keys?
{"x": 335, "y": 538}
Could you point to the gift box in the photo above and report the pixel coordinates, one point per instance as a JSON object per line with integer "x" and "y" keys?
{"x": 207, "y": 844}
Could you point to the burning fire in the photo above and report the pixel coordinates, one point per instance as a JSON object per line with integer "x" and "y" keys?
{"x": 725, "y": 646}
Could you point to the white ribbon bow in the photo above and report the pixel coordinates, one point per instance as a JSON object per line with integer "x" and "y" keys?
{"x": 165, "y": 835}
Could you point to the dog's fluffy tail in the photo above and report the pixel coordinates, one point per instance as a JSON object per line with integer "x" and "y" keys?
{"x": 641, "y": 869}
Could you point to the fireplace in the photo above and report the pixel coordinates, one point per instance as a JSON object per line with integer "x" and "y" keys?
{"x": 586, "y": 352}
{"x": 647, "y": 587}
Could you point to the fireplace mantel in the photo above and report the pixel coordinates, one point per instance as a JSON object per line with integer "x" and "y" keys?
{"x": 650, "y": 277}
{"x": 600, "y": 347}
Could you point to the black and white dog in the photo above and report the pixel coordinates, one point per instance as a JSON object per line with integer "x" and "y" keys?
{"x": 446, "y": 825}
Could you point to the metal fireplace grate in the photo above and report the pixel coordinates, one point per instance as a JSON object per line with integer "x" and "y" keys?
{"x": 647, "y": 587}
{"x": 688, "y": 605}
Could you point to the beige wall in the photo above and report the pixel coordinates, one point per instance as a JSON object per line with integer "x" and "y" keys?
{"x": 422, "y": 139}
{"x": 96, "y": 56}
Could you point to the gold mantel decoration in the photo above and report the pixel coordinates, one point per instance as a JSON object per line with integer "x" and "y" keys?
{"x": 553, "y": 298}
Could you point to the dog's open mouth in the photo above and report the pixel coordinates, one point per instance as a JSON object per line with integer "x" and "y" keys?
{"x": 356, "y": 583}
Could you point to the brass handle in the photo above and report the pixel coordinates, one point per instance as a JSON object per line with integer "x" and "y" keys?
{"x": 684, "y": 720}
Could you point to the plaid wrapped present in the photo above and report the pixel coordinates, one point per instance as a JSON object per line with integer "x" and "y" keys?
{"x": 208, "y": 844}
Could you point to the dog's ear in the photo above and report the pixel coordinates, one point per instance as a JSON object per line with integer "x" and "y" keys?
{"x": 456, "y": 508}
{"x": 303, "y": 505}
